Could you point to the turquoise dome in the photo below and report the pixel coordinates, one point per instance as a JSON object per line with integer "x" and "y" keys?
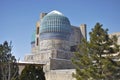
{"x": 55, "y": 23}
{"x": 33, "y": 38}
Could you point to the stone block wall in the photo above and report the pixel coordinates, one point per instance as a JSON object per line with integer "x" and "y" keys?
{"x": 65, "y": 74}
{"x": 60, "y": 64}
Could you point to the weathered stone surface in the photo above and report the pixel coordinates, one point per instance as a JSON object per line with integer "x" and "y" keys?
{"x": 57, "y": 64}
{"x": 64, "y": 74}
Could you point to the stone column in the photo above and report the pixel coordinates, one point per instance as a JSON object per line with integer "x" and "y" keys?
{"x": 83, "y": 30}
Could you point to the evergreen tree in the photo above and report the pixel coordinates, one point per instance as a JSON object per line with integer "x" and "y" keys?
{"x": 104, "y": 47}
{"x": 8, "y": 65}
{"x": 95, "y": 58}
{"x": 32, "y": 72}
{"x": 83, "y": 62}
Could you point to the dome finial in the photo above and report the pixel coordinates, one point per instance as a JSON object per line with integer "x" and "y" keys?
{"x": 55, "y": 12}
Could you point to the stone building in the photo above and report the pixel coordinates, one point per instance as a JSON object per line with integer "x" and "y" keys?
{"x": 53, "y": 44}
{"x": 118, "y": 36}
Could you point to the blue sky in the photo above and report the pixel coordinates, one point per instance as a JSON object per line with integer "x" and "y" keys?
{"x": 18, "y": 18}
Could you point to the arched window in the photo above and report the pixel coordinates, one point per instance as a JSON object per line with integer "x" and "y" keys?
{"x": 37, "y": 30}
{"x": 37, "y": 42}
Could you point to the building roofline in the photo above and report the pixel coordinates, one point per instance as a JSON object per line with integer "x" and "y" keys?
{"x": 30, "y": 63}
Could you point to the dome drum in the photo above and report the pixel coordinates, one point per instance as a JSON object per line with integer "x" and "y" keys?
{"x": 54, "y": 35}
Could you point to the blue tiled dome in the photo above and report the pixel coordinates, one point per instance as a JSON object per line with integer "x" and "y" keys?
{"x": 56, "y": 24}
{"x": 33, "y": 37}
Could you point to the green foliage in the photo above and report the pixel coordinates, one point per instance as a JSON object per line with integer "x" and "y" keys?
{"x": 94, "y": 59}
{"x": 82, "y": 62}
{"x": 32, "y": 72}
{"x": 8, "y": 65}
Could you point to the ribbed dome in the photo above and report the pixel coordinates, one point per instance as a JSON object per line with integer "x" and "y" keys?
{"x": 55, "y": 22}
